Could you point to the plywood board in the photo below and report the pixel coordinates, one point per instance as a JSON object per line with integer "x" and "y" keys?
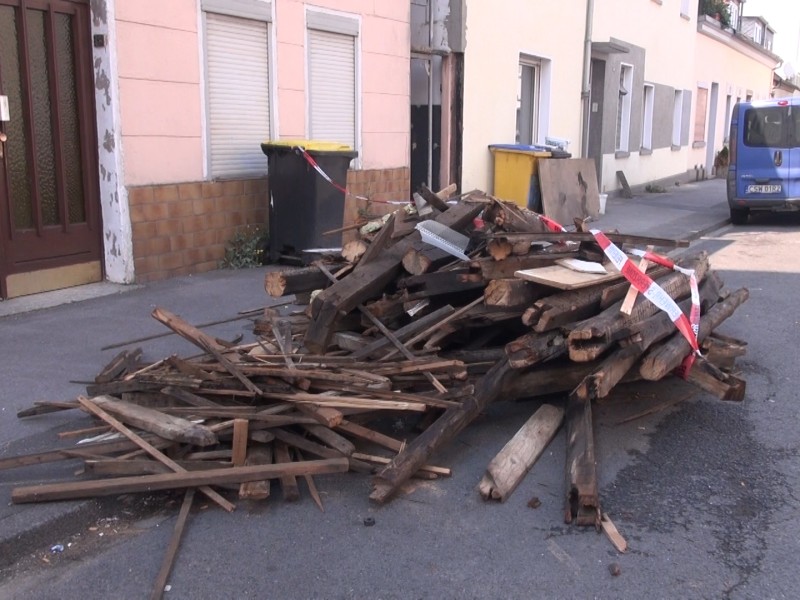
{"x": 569, "y": 188}
{"x": 563, "y": 278}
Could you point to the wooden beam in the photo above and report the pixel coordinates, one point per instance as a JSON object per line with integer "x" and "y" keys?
{"x": 256, "y": 490}
{"x": 289, "y": 489}
{"x": 239, "y": 444}
{"x": 582, "y": 499}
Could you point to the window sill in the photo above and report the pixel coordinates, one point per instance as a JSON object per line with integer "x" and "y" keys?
{"x": 659, "y": 2}
{"x": 675, "y": 148}
{"x": 698, "y": 144}
{"x": 687, "y": 17}
{"x": 645, "y": 151}
{"x": 621, "y": 154}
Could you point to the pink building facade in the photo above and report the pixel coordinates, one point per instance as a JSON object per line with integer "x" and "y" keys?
{"x": 179, "y": 94}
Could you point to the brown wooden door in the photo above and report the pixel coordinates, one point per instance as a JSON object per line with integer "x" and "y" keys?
{"x": 49, "y": 199}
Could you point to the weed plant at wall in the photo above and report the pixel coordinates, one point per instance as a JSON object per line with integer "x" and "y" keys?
{"x": 246, "y": 249}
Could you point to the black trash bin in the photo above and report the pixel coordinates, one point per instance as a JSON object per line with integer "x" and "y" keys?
{"x": 303, "y": 205}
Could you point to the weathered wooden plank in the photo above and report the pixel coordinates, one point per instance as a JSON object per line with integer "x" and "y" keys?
{"x": 239, "y": 444}
{"x": 172, "y": 549}
{"x": 512, "y": 463}
{"x": 293, "y": 281}
{"x": 73, "y": 490}
{"x": 163, "y": 425}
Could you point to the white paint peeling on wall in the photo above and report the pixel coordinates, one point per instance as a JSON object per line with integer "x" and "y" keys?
{"x": 115, "y": 211}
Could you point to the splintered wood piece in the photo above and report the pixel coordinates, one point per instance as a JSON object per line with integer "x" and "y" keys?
{"x": 630, "y": 297}
{"x": 289, "y": 489}
{"x": 499, "y": 249}
{"x": 612, "y": 534}
{"x": 533, "y": 348}
{"x": 163, "y": 425}
{"x": 423, "y": 258}
{"x": 73, "y": 490}
{"x": 150, "y": 449}
{"x": 583, "y": 500}
{"x": 256, "y": 490}
{"x": 617, "y": 238}
{"x": 239, "y": 445}
{"x": 512, "y": 463}
{"x": 172, "y": 548}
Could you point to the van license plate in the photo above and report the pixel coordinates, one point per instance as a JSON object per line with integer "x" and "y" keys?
{"x": 763, "y": 189}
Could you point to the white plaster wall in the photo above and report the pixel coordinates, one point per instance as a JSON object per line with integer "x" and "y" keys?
{"x": 117, "y": 234}
{"x": 497, "y": 33}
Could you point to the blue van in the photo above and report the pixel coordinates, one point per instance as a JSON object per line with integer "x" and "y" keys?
{"x": 764, "y": 171}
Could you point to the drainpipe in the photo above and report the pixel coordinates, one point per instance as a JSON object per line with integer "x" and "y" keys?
{"x": 430, "y": 95}
{"x": 585, "y": 90}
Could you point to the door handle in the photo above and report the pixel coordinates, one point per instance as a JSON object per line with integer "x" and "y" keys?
{"x": 3, "y": 138}
{"x": 778, "y": 158}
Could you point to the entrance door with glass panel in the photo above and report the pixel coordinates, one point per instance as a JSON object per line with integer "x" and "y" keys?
{"x": 49, "y": 200}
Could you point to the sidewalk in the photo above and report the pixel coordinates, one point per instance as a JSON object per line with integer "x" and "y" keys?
{"x": 54, "y": 341}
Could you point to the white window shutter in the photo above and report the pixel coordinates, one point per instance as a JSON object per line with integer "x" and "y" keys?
{"x": 332, "y": 86}
{"x": 238, "y": 94}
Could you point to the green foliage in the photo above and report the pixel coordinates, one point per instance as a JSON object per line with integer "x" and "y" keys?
{"x": 722, "y": 158}
{"x": 712, "y": 8}
{"x": 246, "y": 249}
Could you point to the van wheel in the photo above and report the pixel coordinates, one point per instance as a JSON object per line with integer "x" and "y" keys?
{"x": 739, "y": 215}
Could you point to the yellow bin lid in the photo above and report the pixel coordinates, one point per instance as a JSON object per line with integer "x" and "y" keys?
{"x": 318, "y": 145}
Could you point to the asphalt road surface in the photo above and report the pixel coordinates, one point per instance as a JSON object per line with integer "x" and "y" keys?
{"x": 706, "y": 493}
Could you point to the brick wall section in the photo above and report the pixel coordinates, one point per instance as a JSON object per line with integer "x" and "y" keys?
{"x": 379, "y": 185}
{"x": 181, "y": 229}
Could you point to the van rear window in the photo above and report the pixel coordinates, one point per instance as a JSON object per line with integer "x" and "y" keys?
{"x": 771, "y": 127}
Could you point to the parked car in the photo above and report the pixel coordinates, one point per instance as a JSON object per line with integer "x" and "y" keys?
{"x": 764, "y": 170}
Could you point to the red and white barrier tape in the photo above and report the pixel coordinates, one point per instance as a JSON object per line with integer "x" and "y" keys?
{"x": 551, "y": 224}
{"x": 656, "y": 294}
{"x": 310, "y": 160}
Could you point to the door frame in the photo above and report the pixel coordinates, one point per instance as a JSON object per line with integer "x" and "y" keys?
{"x": 27, "y": 256}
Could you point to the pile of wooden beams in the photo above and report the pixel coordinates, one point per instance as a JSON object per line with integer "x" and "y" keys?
{"x": 398, "y": 325}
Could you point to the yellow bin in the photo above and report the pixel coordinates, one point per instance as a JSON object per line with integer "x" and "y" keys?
{"x": 515, "y": 166}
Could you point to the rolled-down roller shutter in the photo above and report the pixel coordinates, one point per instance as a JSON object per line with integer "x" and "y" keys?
{"x": 332, "y": 86}
{"x": 238, "y": 94}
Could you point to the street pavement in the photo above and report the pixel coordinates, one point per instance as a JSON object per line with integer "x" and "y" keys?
{"x": 52, "y": 344}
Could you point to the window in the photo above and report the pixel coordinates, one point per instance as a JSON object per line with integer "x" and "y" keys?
{"x": 624, "y": 108}
{"x": 647, "y": 117}
{"x": 332, "y": 93}
{"x": 685, "y": 8}
{"x": 528, "y": 102}
{"x": 734, "y": 8}
{"x": 769, "y": 127}
{"x": 728, "y": 112}
{"x": 758, "y": 33}
{"x": 237, "y": 87}
{"x": 700, "y": 115}
{"x": 677, "y": 117}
